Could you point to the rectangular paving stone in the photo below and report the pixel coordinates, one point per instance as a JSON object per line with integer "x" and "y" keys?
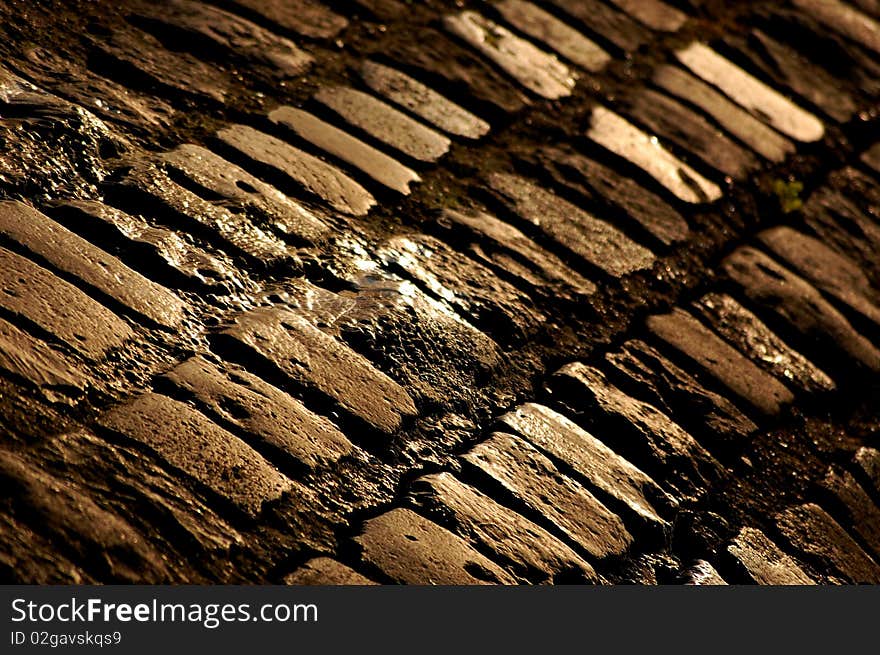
{"x": 539, "y": 72}
{"x": 383, "y": 122}
{"x": 752, "y": 337}
{"x": 763, "y": 562}
{"x": 507, "y": 249}
{"x": 598, "y": 242}
{"x": 306, "y": 17}
{"x": 310, "y": 173}
{"x": 326, "y": 571}
{"x": 812, "y": 531}
{"x": 859, "y": 510}
{"x": 845, "y": 19}
{"x": 632, "y": 426}
{"x": 73, "y": 255}
{"x": 762, "y": 101}
{"x": 625, "y": 140}
{"x": 591, "y": 459}
{"x": 715, "y": 357}
{"x": 32, "y": 359}
{"x": 829, "y": 271}
{"x": 380, "y": 167}
{"x": 653, "y": 13}
{"x": 645, "y": 373}
{"x": 867, "y": 461}
{"x": 410, "y": 549}
{"x": 423, "y": 101}
{"x": 553, "y": 33}
{"x": 59, "y": 308}
{"x": 800, "y": 306}
{"x": 261, "y": 410}
{"x": 525, "y": 549}
{"x": 606, "y": 22}
{"x": 189, "y": 441}
{"x": 674, "y": 123}
{"x": 317, "y": 361}
{"x": 535, "y": 482}
{"x": 758, "y": 136}
{"x": 201, "y": 23}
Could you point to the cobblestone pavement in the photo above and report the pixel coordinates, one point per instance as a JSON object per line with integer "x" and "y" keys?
{"x": 440, "y": 292}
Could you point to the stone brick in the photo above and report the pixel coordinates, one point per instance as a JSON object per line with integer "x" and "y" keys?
{"x": 259, "y": 409}
{"x": 845, "y": 19}
{"x": 752, "y": 337}
{"x": 189, "y": 441}
{"x": 410, "y": 549}
{"x": 326, "y": 571}
{"x": 553, "y": 33}
{"x": 319, "y": 362}
{"x": 306, "y": 17}
{"x": 738, "y": 122}
{"x": 868, "y": 461}
{"x": 59, "y": 308}
{"x": 33, "y": 360}
{"x": 315, "y": 176}
{"x": 599, "y": 243}
{"x": 814, "y": 533}
{"x": 384, "y": 123}
{"x": 625, "y": 140}
{"x": 763, "y": 562}
{"x": 800, "y": 305}
{"x": 522, "y": 547}
{"x": 752, "y": 94}
{"x": 861, "y": 514}
{"x": 655, "y": 14}
{"x": 538, "y": 71}
{"x": 371, "y": 162}
{"x": 534, "y": 481}
{"x": 703, "y": 574}
{"x": 595, "y": 462}
{"x": 721, "y": 361}
{"x": 422, "y": 101}
{"x": 73, "y": 255}
{"x": 599, "y": 18}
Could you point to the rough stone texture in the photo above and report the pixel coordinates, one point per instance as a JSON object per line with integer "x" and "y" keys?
{"x": 241, "y": 192}
{"x": 591, "y": 459}
{"x": 868, "y": 462}
{"x": 422, "y": 101}
{"x": 201, "y": 449}
{"x": 593, "y": 239}
{"x": 703, "y": 574}
{"x": 858, "y": 509}
{"x": 553, "y": 33}
{"x": 310, "y": 173}
{"x": 410, "y": 549}
{"x": 261, "y": 410}
{"x": 686, "y": 334}
{"x": 631, "y": 425}
{"x": 753, "y": 338}
{"x": 29, "y": 558}
{"x": 510, "y": 252}
{"x": 70, "y": 254}
{"x": 625, "y": 140}
{"x": 814, "y": 533}
{"x": 763, "y": 562}
{"x": 693, "y": 134}
{"x": 845, "y": 19}
{"x": 199, "y": 23}
{"x": 535, "y": 482}
{"x": 602, "y": 20}
{"x": 738, "y": 122}
{"x": 524, "y": 548}
{"x": 537, "y": 71}
{"x": 755, "y": 96}
{"x": 789, "y": 68}
{"x": 317, "y": 361}
{"x": 619, "y": 193}
{"x": 30, "y": 358}
{"x": 62, "y": 310}
{"x": 493, "y": 305}
{"x": 306, "y": 17}
{"x": 77, "y": 526}
{"x": 383, "y": 122}
{"x": 829, "y": 271}
{"x": 802, "y": 307}
{"x": 326, "y": 571}
{"x": 374, "y": 163}
{"x": 654, "y": 378}
{"x": 653, "y": 13}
